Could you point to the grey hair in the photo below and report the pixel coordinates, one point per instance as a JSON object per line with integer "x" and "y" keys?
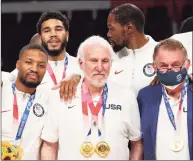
{"x": 98, "y": 40}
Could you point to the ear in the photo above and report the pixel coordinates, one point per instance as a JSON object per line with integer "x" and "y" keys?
{"x": 17, "y": 64}
{"x": 80, "y": 62}
{"x": 129, "y": 28}
{"x": 67, "y": 36}
{"x": 154, "y": 66}
{"x": 188, "y": 64}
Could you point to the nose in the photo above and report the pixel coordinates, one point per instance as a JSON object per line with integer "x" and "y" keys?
{"x": 34, "y": 67}
{"x": 108, "y": 34}
{"x": 52, "y": 33}
{"x": 99, "y": 67}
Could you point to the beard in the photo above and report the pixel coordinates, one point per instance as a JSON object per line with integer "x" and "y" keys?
{"x": 55, "y": 52}
{"x": 29, "y": 84}
{"x": 117, "y": 47}
{"x": 95, "y": 83}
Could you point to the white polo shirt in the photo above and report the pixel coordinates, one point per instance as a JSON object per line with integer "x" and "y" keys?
{"x": 186, "y": 40}
{"x": 58, "y": 68}
{"x": 5, "y": 76}
{"x": 122, "y": 123}
{"x": 134, "y": 69}
{"x": 30, "y": 141}
{"x": 165, "y": 132}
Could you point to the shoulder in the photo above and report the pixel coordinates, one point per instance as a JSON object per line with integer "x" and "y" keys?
{"x": 119, "y": 90}
{"x": 72, "y": 58}
{"x": 149, "y": 90}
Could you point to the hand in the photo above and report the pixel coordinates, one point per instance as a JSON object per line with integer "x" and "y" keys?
{"x": 154, "y": 81}
{"x": 68, "y": 87}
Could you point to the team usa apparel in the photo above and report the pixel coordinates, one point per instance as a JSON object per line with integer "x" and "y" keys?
{"x": 24, "y": 112}
{"x": 79, "y": 125}
{"x": 134, "y": 67}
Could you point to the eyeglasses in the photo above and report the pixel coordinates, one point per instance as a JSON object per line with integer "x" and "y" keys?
{"x": 173, "y": 68}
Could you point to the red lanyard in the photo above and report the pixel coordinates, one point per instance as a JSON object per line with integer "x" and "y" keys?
{"x": 51, "y": 72}
{"x": 15, "y": 108}
{"x": 86, "y": 98}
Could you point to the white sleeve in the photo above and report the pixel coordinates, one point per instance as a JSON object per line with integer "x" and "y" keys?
{"x": 133, "y": 118}
{"x": 50, "y": 129}
{"x": 14, "y": 74}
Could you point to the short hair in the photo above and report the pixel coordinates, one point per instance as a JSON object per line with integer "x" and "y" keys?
{"x": 169, "y": 44}
{"x": 128, "y": 12}
{"x": 187, "y": 25}
{"x": 52, "y": 15}
{"x": 35, "y": 39}
{"x": 32, "y": 47}
{"x": 95, "y": 40}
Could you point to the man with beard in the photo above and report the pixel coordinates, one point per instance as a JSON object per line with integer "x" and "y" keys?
{"x": 53, "y": 34}
{"x": 53, "y": 28}
{"x": 24, "y": 107}
{"x": 135, "y": 49}
{"x": 99, "y": 122}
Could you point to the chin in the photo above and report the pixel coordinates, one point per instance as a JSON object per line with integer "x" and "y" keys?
{"x": 98, "y": 83}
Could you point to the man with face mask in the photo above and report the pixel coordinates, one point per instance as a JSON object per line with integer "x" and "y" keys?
{"x": 166, "y": 108}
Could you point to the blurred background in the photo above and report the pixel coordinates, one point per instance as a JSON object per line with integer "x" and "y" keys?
{"x": 19, "y": 18}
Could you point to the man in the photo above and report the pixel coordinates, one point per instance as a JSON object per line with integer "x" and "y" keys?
{"x": 185, "y": 37}
{"x": 53, "y": 29}
{"x": 24, "y": 107}
{"x": 36, "y": 39}
{"x": 166, "y": 108}
{"x": 103, "y": 132}
{"x": 187, "y": 25}
{"x": 126, "y": 34}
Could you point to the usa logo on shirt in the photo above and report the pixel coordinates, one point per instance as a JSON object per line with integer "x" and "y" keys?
{"x": 38, "y": 110}
{"x": 148, "y": 70}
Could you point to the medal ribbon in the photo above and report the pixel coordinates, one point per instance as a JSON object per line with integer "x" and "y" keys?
{"x": 51, "y": 72}
{"x": 86, "y": 98}
{"x": 168, "y": 107}
{"x": 25, "y": 114}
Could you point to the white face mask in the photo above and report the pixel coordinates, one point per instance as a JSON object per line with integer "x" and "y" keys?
{"x": 171, "y": 87}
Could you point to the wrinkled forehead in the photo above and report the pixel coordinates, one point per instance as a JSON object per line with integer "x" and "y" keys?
{"x": 97, "y": 50}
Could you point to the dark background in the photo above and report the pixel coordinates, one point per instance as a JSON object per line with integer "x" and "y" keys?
{"x": 163, "y": 19}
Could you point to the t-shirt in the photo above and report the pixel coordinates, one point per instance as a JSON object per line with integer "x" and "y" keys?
{"x": 30, "y": 140}
{"x": 65, "y": 124}
{"x": 134, "y": 67}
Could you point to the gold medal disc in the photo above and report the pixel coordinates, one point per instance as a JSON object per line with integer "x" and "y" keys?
{"x": 87, "y": 149}
{"x": 177, "y": 144}
{"x": 102, "y": 149}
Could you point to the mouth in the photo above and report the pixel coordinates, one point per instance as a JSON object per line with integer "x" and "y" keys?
{"x": 111, "y": 42}
{"x": 54, "y": 42}
{"x": 33, "y": 76}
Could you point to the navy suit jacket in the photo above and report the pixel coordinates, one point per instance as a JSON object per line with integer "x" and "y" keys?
{"x": 149, "y": 99}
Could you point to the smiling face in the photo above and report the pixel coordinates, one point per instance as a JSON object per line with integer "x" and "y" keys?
{"x": 31, "y": 67}
{"x": 54, "y": 36}
{"x": 96, "y": 64}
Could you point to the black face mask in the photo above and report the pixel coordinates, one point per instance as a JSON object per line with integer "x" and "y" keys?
{"x": 172, "y": 78}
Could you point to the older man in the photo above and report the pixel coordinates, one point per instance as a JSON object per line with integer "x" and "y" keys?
{"x": 101, "y": 119}
{"x": 166, "y": 108}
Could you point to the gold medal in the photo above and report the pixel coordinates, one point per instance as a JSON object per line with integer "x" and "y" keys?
{"x": 176, "y": 144}
{"x": 87, "y": 149}
{"x": 102, "y": 149}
